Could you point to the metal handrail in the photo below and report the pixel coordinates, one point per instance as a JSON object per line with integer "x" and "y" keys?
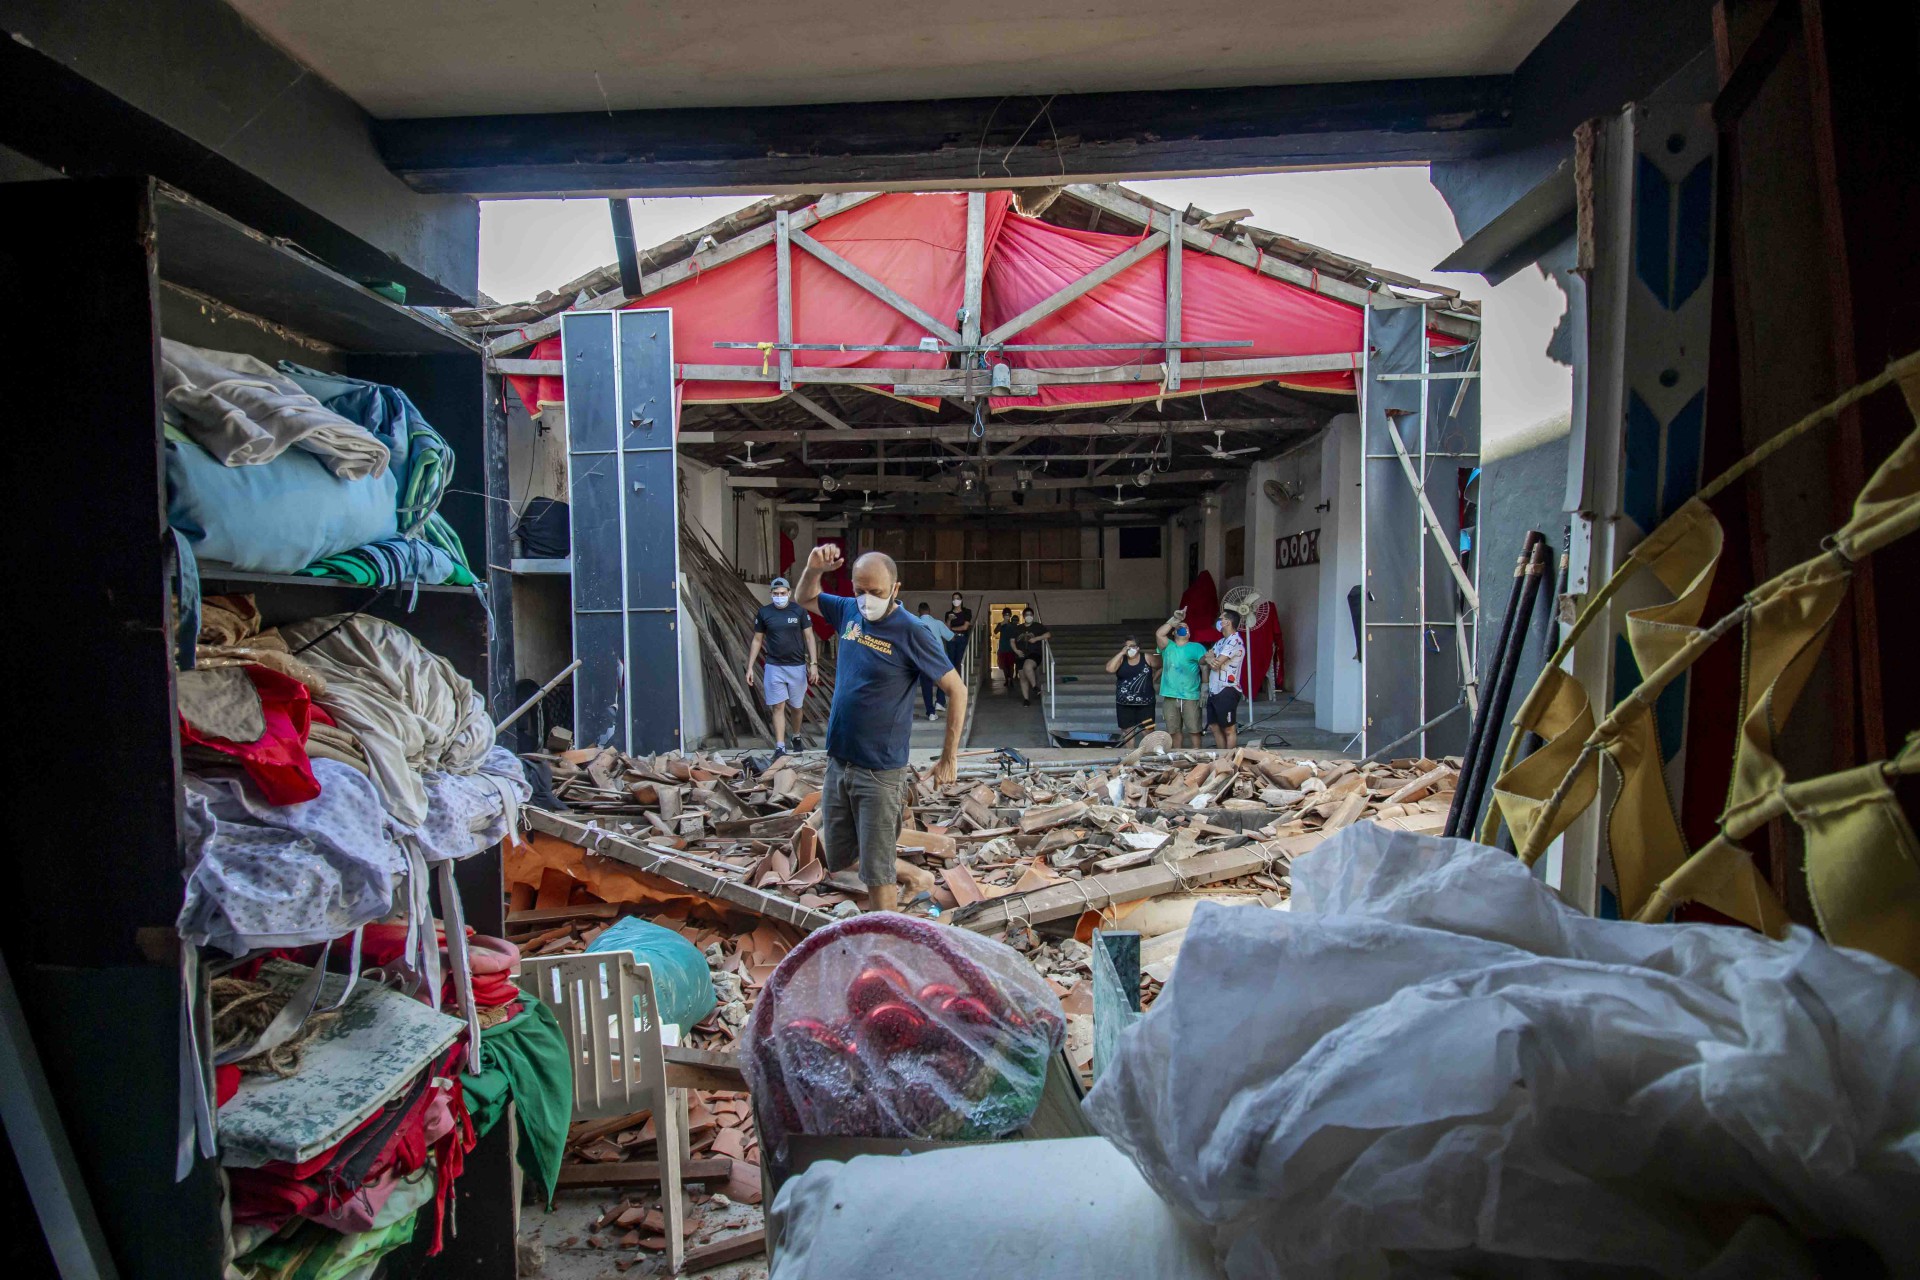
{"x": 1053, "y": 704}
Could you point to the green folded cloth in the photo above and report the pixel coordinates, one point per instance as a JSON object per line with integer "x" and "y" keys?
{"x": 524, "y": 1061}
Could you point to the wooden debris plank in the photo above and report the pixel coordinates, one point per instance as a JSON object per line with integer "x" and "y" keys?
{"x": 629, "y": 1172}
{"x": 1071, "y": 897}
{"x": 554, "y": 915}
{"x": 669, "y": 867}
{"x": 746, "y": 1245}
{"x": 705, "y": 1069}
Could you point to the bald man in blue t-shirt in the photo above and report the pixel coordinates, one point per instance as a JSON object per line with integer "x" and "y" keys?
{"x": 882, "y": 655}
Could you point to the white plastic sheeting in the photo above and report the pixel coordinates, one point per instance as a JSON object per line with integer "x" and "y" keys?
{"x": 1063, "y": 1209}
{"x": 1429, "y": 1064}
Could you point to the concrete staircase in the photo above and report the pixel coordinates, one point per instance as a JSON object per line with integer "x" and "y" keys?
{"x": 1086, "y": 700}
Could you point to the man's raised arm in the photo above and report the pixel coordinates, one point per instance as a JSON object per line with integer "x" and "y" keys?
{"x": 823, "y": 559}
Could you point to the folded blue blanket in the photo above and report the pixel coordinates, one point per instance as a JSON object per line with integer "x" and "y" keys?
{"x": 278, "y": 517}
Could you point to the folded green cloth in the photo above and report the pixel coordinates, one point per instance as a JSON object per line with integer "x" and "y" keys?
{"x": 524, "y": 1061}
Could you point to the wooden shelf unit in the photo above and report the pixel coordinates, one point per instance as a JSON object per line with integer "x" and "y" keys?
{"x": 98, "y": 270}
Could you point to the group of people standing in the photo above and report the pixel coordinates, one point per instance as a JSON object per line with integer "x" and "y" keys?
{"x": 1185, "y": 665}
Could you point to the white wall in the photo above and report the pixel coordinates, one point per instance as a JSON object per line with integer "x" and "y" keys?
{"x": 1135, "y": 588}
{"x": 1336, "y": 693}
{"x": 1295, "y": 592}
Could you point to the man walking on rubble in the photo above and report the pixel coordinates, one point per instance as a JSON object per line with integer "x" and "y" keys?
{"x": 882, "y": 655}
{"x": 785, "y": 632}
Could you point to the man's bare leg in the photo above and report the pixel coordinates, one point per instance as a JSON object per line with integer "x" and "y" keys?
{"x": 779, "y": 722}
{"x": 1233, "y": 736}
{"x": 883, "y": 897}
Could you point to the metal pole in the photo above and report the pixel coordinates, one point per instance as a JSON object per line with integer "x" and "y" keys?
{"x": 544, "y": 690}
{"x": 1482, "y": 720}
{"x": 1496, "y": 705}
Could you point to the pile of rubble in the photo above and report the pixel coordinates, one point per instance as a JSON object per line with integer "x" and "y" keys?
{"x": 725, "y": 849}
{"x": 1003, "y": 830}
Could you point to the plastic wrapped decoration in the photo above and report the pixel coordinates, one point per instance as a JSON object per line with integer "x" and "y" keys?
{"x": 884, "y": 1026}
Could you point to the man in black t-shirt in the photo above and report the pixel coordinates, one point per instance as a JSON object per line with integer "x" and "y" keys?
{"x": 960, "y": 622}
{"x": 785, "y": 632}
{"x": 1003, "y": 650}
{"x": 1030, "y": 651}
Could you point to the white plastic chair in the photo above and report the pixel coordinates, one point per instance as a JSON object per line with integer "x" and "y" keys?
{"x": 604, "y": 1003}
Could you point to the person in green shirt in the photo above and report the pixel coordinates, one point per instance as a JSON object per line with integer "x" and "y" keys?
{"x": 1180, "y": 659}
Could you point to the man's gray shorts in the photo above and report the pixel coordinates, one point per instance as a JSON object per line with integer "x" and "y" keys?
{"x": 785, "y": 684}
{"x": 860, "y": 819}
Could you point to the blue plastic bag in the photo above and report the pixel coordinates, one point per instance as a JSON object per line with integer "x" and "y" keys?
{"x": 682, "y": 985}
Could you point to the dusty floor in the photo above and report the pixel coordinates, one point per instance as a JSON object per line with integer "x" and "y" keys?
{"x": 557, "y": 1245}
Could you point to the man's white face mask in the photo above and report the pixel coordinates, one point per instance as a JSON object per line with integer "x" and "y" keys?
{"x": 780, "y": 599}
{"x": 873, "y": 608}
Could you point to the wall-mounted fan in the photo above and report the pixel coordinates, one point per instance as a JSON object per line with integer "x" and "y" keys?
{"x": 1281, "y": 493}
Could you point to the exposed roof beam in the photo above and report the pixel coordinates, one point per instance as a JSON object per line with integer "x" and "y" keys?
{"x": 685, "y": 269}
{"x": 1359, "y": 295}
{"x": 819, "y": 411}
{"x": 904, "y": 305}
{"x": 870, "y": 483}
{"x": 1079, "y": 287}
{"x": 949, "y": 142}
{"x": 998, "y": 431}
{"x": 944, "y": 382}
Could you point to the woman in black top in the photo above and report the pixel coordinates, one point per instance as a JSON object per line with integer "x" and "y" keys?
{"x": 1132, "y": 672}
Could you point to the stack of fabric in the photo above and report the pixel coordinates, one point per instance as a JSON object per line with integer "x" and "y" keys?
{"x": 333, "y": 765}
{"x": 292, "y": 470}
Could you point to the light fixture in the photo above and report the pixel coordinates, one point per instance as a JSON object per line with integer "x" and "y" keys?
{"x": 1002, "y": 381}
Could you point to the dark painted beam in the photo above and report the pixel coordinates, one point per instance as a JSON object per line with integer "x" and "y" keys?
{"x": 1601, "y": 56}
{"x": 186, "y": 91}
{"x": 982, "y": 141}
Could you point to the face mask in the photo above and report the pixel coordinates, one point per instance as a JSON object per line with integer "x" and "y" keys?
{"x": 1220, "y": 624}
{"x": 780, "y": 599}
{"x": 1028, "y": 618}
{"x": 1181, "y": 634}
{"x": 1133, "y": 651}
{"x": 956, "y": 602}
{"x": 874, "y": 608}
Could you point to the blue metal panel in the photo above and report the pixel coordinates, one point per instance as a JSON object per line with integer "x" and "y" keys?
{"x": 625, "y": 526}
{"x": 1682, "y": 478}
{"x": 1640, "y": 483}
{"x": 1392, "y": 601}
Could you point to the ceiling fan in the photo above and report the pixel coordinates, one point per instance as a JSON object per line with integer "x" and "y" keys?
{"x": 1224, "y": 454}
{"x": 870, "y": 504}
{"x": 1120, "y": 498}
{"x": 751, "y": 463}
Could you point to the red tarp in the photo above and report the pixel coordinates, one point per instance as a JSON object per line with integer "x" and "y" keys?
{"x": 1220, "y": 301}
{"x": 916, "y": 245}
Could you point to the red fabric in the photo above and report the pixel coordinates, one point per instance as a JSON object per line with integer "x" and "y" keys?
{"x": 1220, "y": 300}
{"x": 277, "y": 762}
{"x": 226, "y": 1083}
{"x": 916, "y": 245}
{"x": 275, "y": 1193}
{"x": 1202, "y": 603}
